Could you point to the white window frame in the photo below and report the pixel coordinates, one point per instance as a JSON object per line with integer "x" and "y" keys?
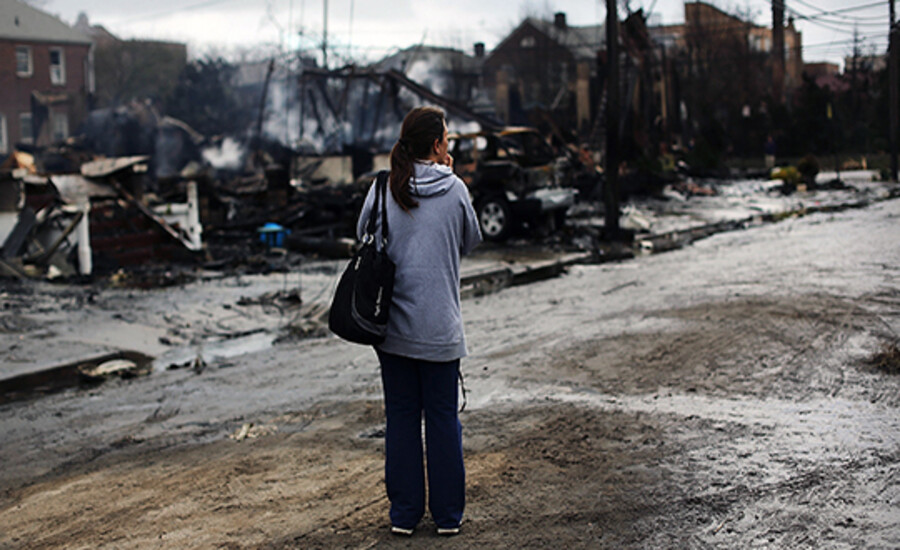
{"x": 59, "y": 126}
{"x": 26, "y": 136}
{"x": 58, "y": 76}
{"x": 4, "y": 136}
{"x": 30, "y": 70}
{"x": 527, "y": 42}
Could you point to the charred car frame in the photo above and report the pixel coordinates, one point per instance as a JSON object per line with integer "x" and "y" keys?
{"x": 514, "y": 178}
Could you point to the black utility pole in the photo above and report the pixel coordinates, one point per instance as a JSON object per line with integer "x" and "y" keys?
{"x": 611, "y": 186}
{"x": 894, "y": 96}
{"x": 778, "y": 50}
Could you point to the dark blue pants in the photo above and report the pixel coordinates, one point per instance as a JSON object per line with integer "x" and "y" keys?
{"x": 413, "y": 387}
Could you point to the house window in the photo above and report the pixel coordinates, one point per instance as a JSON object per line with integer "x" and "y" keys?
{"x": 527, "y": 42}
{"x": 25, "y": 130}
{"x": 57, "y": 66}
{"x": 23, "y": 61}
{"x": 4, "y": 139}
{"x": 60, "y": 127}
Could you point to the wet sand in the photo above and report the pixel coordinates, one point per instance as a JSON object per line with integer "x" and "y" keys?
{"x": 718, "y": 396}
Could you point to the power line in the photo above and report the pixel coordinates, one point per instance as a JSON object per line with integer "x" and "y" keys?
{"x": 169, "y": 12}
{"x": 842, "y": 10}
{"x": 801, "y": 16}
{"x": 848, "y": 20}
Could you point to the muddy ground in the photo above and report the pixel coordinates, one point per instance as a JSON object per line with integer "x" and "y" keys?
{"x": 720, "y": 396}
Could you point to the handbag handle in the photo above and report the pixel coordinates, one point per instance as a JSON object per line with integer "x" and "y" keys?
{"x": 380, "y": 189}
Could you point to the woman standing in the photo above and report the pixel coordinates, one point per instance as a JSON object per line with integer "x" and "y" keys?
{"x": 432, "y": 223}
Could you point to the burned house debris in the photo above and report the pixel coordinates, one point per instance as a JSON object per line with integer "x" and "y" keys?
{"x": 134, "y": 186}
{"x": 96, "y": 220}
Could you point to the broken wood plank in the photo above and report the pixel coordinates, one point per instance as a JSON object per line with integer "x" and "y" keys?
{"x": 14, "y": 242}
{"x": 181, "y": 237}
{"x": 44, "y": 256}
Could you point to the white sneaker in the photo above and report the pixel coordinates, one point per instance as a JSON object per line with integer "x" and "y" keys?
{"x": 401, "y": 531}
{"x": 448, "y": 531}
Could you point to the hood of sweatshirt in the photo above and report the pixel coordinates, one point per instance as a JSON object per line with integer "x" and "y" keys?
{"x": 431, "y": 179}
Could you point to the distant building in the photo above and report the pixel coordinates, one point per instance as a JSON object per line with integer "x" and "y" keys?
{"x": 815, "y": 70}
{"x": 825, "y": 75}
{"x": 710, "y": 23}
{"x": 865, "y": 63}
{"x": 132, "y": 69}
{"x": 46, "y": 77}
{"x": 541, "y": 64}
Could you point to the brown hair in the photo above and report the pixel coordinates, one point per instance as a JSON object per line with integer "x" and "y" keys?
{"x": 421, "y": 127}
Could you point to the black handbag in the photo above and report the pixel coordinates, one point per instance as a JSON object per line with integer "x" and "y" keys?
{"x": 362, "y": 301}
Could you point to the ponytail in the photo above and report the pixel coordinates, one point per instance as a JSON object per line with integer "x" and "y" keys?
{"x": 402, "y": 170}
{"x": 421, "y": 127}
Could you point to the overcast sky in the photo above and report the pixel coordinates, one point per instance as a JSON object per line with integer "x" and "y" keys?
{"x": 368, "y": 29}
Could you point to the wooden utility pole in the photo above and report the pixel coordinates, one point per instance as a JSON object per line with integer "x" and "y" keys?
{"x": 611, "y": 185}
{"x": 325, "y": 34}
{"x": 894, "y": 97}
{"x": 257, "y": 137}
{"x": 778, "y": 50}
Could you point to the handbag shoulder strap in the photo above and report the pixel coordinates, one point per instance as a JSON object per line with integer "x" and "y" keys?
{"x": 380, "y": 191}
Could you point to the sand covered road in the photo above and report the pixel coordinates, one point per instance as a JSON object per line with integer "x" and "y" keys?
{"x": 718, "y": 396}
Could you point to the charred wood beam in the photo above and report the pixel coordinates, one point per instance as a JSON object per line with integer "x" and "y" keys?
{"x": 181, "y": 237}
{"x": 45, "y": 256}
{"x": 394, "y": 94}
{"x": 447, "y": 104}
{"x": 322, "y": 83}
{"x": 345, "y": 95}
{"x": 381, "y": 97}
{"x": 401, "y": 79}
{"x": 12, "y": 268}
{"x": 361, "y": 119}
{"x": 262, "y": 104}
{"x": 315, "y": 110}
{"x": 20, "y": 232}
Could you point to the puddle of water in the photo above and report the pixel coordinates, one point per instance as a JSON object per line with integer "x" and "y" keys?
{"x": 214, "y": 350}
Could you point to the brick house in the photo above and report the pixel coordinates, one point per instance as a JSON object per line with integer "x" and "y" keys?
{"x": 541, "y": 64}
{"x": 707, "y": 21}
{"x": 46, "y": 77}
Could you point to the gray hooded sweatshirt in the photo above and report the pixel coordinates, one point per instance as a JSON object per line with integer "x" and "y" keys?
{"x": 426, "y": 244}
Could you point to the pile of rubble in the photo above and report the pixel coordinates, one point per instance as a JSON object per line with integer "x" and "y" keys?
{"x": 111, "y": 216}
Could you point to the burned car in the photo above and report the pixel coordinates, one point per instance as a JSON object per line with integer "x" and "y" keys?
{"x": 514, "y": 180}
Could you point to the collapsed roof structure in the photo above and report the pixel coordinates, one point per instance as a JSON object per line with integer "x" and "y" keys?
{"x": 352, "y": 108}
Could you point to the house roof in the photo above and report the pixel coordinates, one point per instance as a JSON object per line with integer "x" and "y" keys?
{"x": 441, "y": 58}
{"x": 97, "y": 33}
{"x": 584, "y": 42}
{"x": 23, "y": 22}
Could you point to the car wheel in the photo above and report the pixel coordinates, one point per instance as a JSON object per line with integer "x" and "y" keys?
{"x": 494, "y": 218}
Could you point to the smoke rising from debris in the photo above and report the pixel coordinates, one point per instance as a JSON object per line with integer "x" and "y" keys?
{"x": 229, "y": 154}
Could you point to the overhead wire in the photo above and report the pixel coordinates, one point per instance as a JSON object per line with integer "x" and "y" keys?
{"x": 822, "y": 11}
{"x": 169, "y": 12}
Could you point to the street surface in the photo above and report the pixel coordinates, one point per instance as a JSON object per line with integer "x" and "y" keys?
{"x": 718, "y": 396}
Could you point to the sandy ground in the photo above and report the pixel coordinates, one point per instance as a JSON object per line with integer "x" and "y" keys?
{"x": 718, "y": 396}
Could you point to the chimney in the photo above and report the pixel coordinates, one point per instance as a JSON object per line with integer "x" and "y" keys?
{"x": 559, "y": 20}
{"x": 479, "y": 49}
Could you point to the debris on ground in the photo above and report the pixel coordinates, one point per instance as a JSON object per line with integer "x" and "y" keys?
{"x": 887, "y": 359}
